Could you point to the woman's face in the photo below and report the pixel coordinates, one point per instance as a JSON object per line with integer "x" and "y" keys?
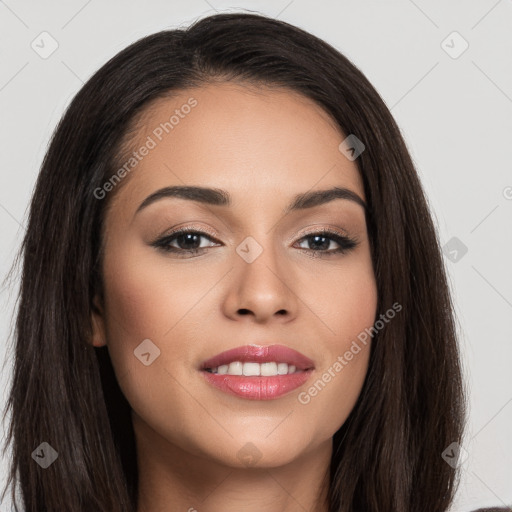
{"x": 261, "y": 274}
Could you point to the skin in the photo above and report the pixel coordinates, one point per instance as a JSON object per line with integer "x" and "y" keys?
{"x": 263, "y": 146}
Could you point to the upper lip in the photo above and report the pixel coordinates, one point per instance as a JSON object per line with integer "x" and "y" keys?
{"x": 260, "y": 354}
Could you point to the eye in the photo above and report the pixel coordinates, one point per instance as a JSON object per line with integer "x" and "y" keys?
{"x": 184, "y": 241}
{"x": 319, "y": 241}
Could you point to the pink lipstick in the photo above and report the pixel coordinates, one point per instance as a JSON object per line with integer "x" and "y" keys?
{"x": 258, "y": 372}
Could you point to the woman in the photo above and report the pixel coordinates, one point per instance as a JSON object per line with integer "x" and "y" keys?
{"x": 300, "y": 355}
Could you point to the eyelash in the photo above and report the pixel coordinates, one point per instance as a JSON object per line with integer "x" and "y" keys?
{"x": 346, "y": 244}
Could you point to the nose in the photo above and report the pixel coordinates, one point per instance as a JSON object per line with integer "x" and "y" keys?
{"x": 262, "y": 290}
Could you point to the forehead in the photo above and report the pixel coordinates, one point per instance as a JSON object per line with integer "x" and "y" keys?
{"x": 246, "y": 139}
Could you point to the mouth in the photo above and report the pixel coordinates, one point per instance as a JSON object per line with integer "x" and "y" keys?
{"x": 258, "y": 372}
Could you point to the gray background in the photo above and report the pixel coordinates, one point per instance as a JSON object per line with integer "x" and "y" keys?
{"x": 455, "y": 112}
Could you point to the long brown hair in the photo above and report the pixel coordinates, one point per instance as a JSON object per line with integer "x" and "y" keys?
{"x": 388, "y": 454}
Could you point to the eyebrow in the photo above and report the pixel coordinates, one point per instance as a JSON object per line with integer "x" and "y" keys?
{"x": 219, "y": 197}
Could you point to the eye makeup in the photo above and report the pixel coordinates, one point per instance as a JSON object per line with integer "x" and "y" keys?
{"x": 317, "y": 240}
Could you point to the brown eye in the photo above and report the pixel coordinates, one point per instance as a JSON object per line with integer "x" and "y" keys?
{"x": 319, "y": 242}
{"x": 184, "y": 241}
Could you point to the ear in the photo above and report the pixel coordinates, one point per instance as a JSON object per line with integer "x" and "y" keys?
{"x": 99, "y": 338}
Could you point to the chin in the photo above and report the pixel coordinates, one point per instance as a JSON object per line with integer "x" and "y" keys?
{"x": 264, "y": 451}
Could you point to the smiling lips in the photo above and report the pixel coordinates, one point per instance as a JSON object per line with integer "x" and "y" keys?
{"x": 258, "y": 372}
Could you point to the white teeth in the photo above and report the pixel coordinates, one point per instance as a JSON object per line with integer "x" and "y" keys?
{"x": 268, "y": 369}
{"x": 223, "y": 369}
{"x": 282, "y": 368}
{"x": 235, "y": 368}
{"x": 252, "y": 369}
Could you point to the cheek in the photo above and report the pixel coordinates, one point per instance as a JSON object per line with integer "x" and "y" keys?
{"x": 150, "y": 298}
{"x": 139, "y": 305}
{"x": 344, "y": 299}
{"x": 347, "y": 308}
{"x": 146, "y": 298}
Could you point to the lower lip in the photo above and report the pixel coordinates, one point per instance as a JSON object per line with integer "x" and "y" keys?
{"x": 257, "y": 388}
